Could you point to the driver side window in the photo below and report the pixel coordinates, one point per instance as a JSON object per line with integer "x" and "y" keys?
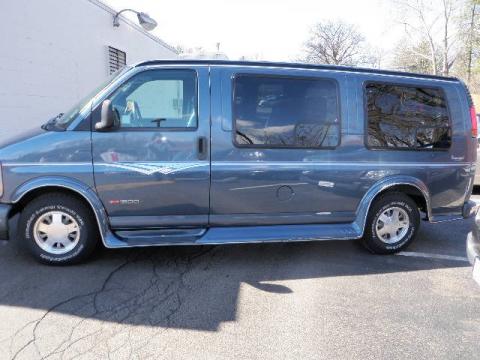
{"x": 158, "y": 99}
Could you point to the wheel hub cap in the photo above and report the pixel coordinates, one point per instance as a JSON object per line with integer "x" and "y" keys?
{"x": 56, "y": 232}
{"x": 392, "y": 225}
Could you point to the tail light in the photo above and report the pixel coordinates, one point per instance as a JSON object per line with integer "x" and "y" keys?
{"x": 473, "y": 117}
{"x": 1, "y": 181}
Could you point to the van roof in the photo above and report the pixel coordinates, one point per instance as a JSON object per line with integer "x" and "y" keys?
{"x": 296, "y": 66}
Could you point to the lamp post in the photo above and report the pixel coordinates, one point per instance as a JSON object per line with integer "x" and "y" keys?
{"x": 144, "y": 19}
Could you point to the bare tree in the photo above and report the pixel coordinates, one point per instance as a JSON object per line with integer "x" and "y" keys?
{"x": 372, "y": 56}
{"x": 334, "y": 42}
{"x": 448, "y": 12}
{"x": 472, "y": 36}
{"x": 406, "y": 57}
{"x": 422, "y": 25}
{"x": 432, "y": 22}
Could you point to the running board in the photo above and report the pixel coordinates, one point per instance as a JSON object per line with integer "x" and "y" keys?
{"x": 159, "y": 236}
{"x": 232, "y": 235}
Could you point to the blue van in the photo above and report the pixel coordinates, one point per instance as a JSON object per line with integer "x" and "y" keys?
{"x": 216, "y": 152}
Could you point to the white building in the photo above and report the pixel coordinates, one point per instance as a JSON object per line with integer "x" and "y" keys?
{"x": 54, "y": 52}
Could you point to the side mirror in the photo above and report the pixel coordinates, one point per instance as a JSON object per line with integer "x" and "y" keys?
{"x": 109, "y": 117}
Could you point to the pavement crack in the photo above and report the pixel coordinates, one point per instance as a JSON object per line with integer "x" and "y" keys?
{"x": 37, "y": 322}
{"x": 156, "y": 301}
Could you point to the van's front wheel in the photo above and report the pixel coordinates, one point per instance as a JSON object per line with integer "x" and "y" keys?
{"x": 392, "y": 224}
{"x": 58, "y": 229}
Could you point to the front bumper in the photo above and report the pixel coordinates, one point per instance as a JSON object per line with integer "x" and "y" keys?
{"x": 473, "y": 250}
{"x": 4, "y": 215}
{"x": 473, "y": 242}
{"x": 470, "y": 208}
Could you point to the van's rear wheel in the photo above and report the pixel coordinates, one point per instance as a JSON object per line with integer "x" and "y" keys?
{"x": 58, "y": 229}
{"x": 392, "y": 224}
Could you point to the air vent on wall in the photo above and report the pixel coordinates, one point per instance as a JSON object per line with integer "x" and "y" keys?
{"x": 117, "y": 59}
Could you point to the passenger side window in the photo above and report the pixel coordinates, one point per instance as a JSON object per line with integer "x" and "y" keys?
{"x": 163, "y": 99}
{"x": 285, "y": 112}
{"x": 407, "y": 117}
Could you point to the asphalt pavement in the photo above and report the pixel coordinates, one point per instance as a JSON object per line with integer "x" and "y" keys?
{"x": 317, "y": 300}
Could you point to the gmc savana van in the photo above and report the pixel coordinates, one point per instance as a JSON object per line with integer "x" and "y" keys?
{"x": 214, "y": 152}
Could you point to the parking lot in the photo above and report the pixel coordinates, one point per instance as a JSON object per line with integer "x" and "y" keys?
{"x": 290, "y": 300}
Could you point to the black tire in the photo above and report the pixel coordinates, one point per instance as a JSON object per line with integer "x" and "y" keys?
{"x": 371, "y": 239}
{"x": 73, "y": 208}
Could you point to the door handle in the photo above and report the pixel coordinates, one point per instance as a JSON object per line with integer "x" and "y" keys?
{"x": 202, "y": 148}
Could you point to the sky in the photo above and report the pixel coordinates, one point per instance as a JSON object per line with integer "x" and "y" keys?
{"x": 265, "y": 29}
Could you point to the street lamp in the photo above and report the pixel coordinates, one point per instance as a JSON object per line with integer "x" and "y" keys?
{"x": 144, "y": 19}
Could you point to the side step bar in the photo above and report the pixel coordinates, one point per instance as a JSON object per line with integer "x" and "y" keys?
{"x": 160, "y": 236}
{"x": 233, "y": 235}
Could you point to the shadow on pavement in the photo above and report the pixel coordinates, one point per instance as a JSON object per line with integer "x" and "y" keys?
{"x": 198, "y": 287}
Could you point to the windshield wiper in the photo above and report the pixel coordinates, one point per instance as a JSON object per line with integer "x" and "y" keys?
{"x": 50, "y": 124}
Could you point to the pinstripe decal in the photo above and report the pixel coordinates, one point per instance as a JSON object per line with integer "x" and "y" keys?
{"x": 153, "y": 168}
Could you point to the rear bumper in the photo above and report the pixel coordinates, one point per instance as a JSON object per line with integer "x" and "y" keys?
{"x": 4, "y": 215}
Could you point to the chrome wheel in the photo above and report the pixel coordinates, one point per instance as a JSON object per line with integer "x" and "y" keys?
{"x": 56, "y": 232}
{"x": 392, "y": 225}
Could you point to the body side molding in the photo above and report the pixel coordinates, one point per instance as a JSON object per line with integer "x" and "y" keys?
{"x": 228, "y": 234}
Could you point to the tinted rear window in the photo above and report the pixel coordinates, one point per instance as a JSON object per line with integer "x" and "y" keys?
{"x": 286, "y": 112}
{"x": 407, "y": 117}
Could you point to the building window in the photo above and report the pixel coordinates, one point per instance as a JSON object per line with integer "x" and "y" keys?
{"x": 117, "y": 59}
{"x": 275, "y": 112}
{"x": 407, "y": 117}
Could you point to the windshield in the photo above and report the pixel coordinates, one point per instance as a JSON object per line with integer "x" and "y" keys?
{"x": 64, "y": 120}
